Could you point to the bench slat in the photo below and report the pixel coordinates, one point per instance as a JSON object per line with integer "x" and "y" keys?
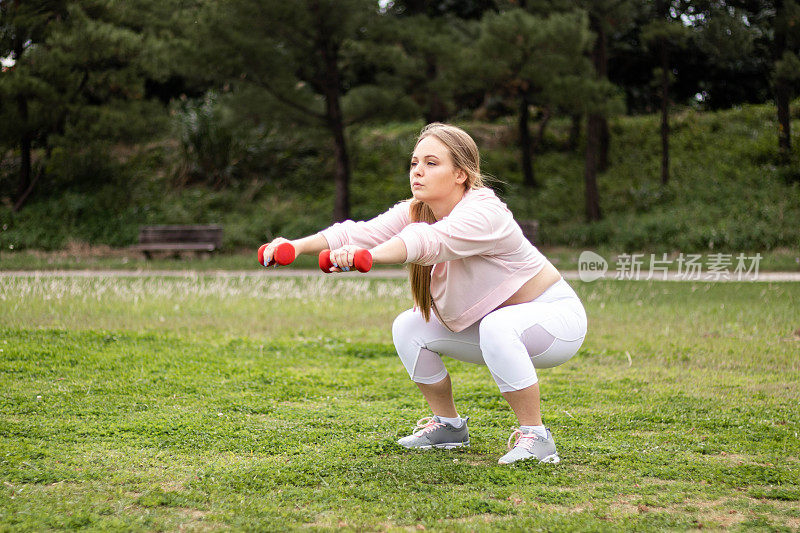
{"x": 179, "y": 238}
{"x": 181, "y": 234}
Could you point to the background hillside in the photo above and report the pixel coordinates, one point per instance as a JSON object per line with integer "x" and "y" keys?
{"x": 725, "y": 194}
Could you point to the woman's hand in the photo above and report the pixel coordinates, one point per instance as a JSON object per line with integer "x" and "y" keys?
{"x": 269, "y": 250}
{"x": 392, "y": 251}
{"x": 342, "y": 258}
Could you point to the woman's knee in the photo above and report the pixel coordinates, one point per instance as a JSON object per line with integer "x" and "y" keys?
{"x": 505, "y": 355}
{"x": 405, "y": 323}
{"x": 495, "y": 336}
{"x": 422, "y": 365}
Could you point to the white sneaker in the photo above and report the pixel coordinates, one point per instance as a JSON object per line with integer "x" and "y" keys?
{"x": 431, "y": 432}
{"x": 529, "y": 445}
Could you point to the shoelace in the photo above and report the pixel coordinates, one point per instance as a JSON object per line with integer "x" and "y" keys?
{"x": 524, "y": 440}
{"x": 426, "y": 425}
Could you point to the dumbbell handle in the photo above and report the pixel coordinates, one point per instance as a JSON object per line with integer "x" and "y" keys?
{"x": 362, "y": 260}
{"x": 284, "y": 254}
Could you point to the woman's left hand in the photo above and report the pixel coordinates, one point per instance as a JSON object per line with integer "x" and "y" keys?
{"x": 342, "y": 258}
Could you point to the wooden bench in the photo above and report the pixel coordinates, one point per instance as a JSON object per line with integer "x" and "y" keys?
{"x": 176, "y": 239}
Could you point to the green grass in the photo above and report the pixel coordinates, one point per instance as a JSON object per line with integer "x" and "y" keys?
{"x": 206, "y": 403}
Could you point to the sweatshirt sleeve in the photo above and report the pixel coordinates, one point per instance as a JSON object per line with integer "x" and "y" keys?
{"x": 369, "y": 233}
{"x": 473, "y": 230}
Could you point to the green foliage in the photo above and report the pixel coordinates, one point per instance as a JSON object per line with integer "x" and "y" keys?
{"x": 738, "y": 199}
{"x": 728, "y": 191}
{"x": 97, "y": 200}
{"x": 429, "y": 58}
{"x": 666, "y": 33}
{"x": 212, "y": 142}
{"x": 524, "y": 53}
{"x": 788, "y": 67}
{"x": 78, "y": 85}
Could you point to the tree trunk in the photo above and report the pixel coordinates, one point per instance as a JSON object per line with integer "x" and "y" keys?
{"x": 341, "y": 206}
{"x": 600, "y": 61}
{"x": 334, "y": 119}
{"x": 528, "y": 178}
{"x": 782, "y": 87}
{"x": 664, "y": 114}
{"x": 25, "y": 144}
{"x": 782, "y": 98}
{"x": 605, "y": 141}
{"x": 539, "y": 139}
{"x": 436, "y": 110}
{"x": 593, "y": 133}
{"x": 26, "y": 139}
{"x": 574, "y": 132}
{"x": 22, "y": 198}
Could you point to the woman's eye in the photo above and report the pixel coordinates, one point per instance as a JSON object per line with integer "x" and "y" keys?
{"x": 413, "y": 164}
{"x": 431, "y": 163}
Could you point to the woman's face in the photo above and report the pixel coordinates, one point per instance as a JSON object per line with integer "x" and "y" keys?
{"x": 433, "y": 175}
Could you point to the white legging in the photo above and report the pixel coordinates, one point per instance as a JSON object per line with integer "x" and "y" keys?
{"x": 512, "y": 341}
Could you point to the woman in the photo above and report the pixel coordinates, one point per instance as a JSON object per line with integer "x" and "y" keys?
{"x": 482, "y": 292}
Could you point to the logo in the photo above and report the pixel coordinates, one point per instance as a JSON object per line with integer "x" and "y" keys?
{"x": 591, "y": 266}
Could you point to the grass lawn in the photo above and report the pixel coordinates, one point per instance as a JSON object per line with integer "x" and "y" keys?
{"x": 206, "y": 403}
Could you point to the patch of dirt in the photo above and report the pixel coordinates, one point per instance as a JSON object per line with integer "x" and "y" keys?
{"x": 486, "y": 518}
{"x": 172, "y": 486}
{"x": 710, "y": 513}
{"x": 564, "y": 509}
{"x": 196, "y": 521}
{"x": 737, "y": 459}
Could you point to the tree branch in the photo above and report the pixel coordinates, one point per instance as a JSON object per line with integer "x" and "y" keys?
{"x": 21, "y": 201}
{"x": 291, "y": 103}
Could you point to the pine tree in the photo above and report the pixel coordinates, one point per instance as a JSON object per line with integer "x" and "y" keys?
{"x": 24, "y": 26}
{"x": 665, "y": 35}
{"x": 776, "y": 24}
{"x": 79, "y": 75}
{"x": 305, "y": 56}
{"x": 429, "y": 68}
{"x": 786, "y": 26}
{"x": 540, "y": 61}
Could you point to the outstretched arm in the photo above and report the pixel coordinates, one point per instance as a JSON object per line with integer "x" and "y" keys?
{"x": 313, "y": 244}
{"x": 391, "y": 252}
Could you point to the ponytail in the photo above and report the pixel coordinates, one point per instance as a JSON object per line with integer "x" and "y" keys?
{"x": 420, "y": 275}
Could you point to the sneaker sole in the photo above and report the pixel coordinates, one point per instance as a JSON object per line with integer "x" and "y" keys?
{"x": 441, "y": 446}
{"x": 550, "y": 459}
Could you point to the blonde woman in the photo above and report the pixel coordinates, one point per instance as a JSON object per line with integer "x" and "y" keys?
{"x": 482, "y": 292}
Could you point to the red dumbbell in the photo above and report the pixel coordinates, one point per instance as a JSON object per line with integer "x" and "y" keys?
{"x": 362, "y": 260}
{"x": 284, "y": 255}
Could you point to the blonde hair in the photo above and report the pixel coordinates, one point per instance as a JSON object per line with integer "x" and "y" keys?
{"x": 464, "y": 152}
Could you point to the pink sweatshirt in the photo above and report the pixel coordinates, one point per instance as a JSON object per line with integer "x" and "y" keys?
{"x": 479, "y": 253}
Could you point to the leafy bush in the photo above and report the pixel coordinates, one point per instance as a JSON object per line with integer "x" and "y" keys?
{"x": 212, "y": 144}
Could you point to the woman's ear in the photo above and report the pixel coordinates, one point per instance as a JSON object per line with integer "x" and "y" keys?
{"x": 461, "y": 177}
